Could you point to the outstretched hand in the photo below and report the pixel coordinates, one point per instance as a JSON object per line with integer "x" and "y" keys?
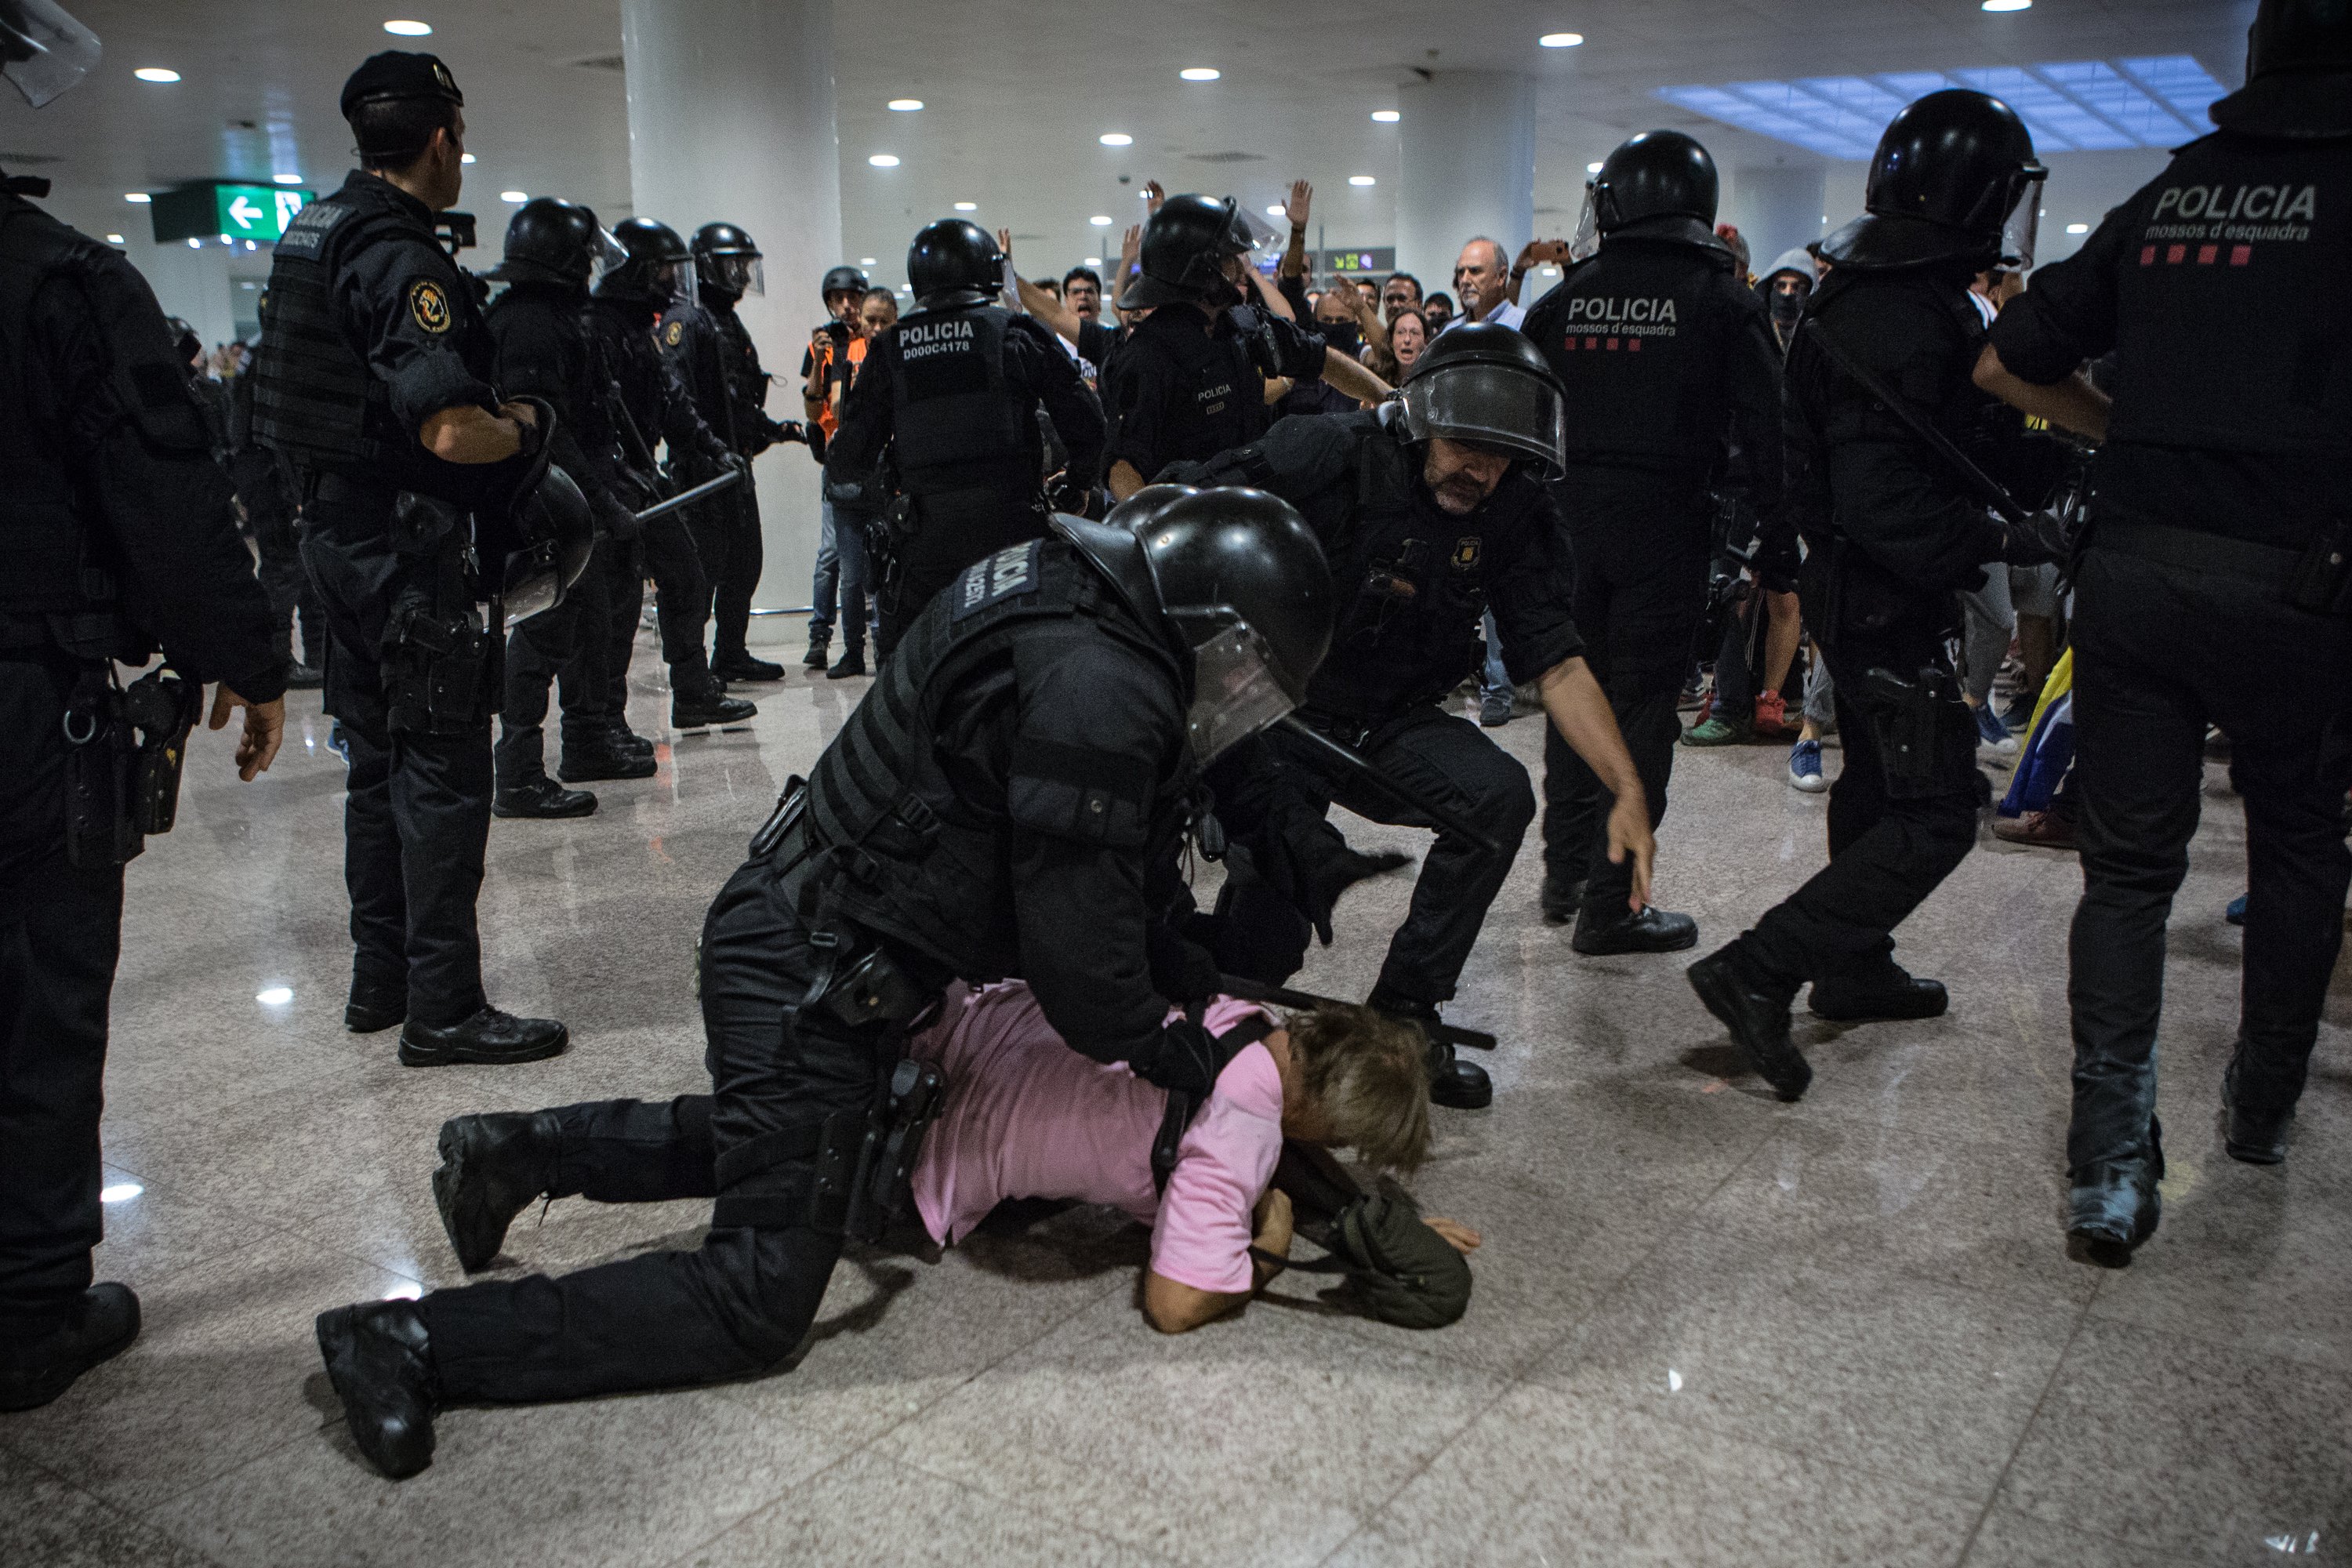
{"x": 1302, "y": 199}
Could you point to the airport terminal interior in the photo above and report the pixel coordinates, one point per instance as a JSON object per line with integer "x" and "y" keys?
{"x": 1706, "y": 1324}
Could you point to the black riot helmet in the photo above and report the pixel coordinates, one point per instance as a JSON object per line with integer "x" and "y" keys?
{"x": 1186, "y": 244}
{"x": 1238, "y": 583}
{"x": 1954, "y": 179}
{"x": 727, "y": 262}
{"x": 843, "y": 281}
{"x": 2298, "y": 72}
{"x": 653, "y": 266}
{"x": 43, "y": 50}
{"x": 185, "y": 342}
{"x": 1488, "y": 386}
{"x": 551, "y": 240}
{"x": 955, "y": 263}
{"x": 554, "y": 530}
{"x": 1660, "y": 184}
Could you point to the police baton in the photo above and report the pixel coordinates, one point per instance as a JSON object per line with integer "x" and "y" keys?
{"x": 1990, "y": 491}
{"x": 688, "y": 497}
{"x": 1446, "y": 816}
{"x": 1307, "y": 1001}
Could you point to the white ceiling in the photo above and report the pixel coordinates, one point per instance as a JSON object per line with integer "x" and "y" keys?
{"x": 1018, "y": 90}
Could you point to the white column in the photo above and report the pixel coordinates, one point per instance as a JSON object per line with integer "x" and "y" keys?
{"x": 1777, "y": 207}
{"x": 1466, "y": 166}
{"x": 731, "y": 118}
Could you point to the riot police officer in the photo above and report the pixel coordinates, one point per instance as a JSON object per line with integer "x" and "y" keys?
{"x": 1668, "y": 366}
{"x": 955, "y": 388}
{"x": 1190, "y": 380}
{"x": 269, "y": 503}
{"x": 1434, "y": 509}
{"x": 648, "y": 405}
{"x": 554, "y": 248}
{"x": 1881, "y": 411}
{"x": 119, "y": 534}
{"x": 374, "y": 382}
{"x": 2213, "y": 589}
{"x": 1002, "y": 803}
{"x": 713, "y": 353}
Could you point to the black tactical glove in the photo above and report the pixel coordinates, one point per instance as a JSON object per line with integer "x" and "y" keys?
{"x": 1306, "y": 860}
{"x": 2033, "y": 540}
{"x": 1190, "y": 1057}
{"x": 615, "y": 521}
{"x": 1183, "y": 971}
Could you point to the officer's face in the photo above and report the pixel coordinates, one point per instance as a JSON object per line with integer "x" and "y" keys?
{"x": 1462, "y": 476}
{"x": 442, "y": 167}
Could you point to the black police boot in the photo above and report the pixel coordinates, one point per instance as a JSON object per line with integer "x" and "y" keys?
{"x": 694, "y": 711}
{"x": 374, "y": 1005}
{"x": 819, "y": 650}
{"x": 489, "y": 1038}
{"x": 2254, "y": 1137}
{"x": 1756, "y": 1013}
{"x": 625, "y": 740}
{"x": 2113, "y": 1206}
{"x": 492, "y": 1168}
{"x": 541, "y": 797}
{"x": 1561, "y": 898}
{"x": 379, "y": 1360}
{"x": 1621, "y": 931}
{"x": 597, "y": 757}
{"x": 1882, "y": 994}
{"x": 740, "y": 666}
{"x": 851, "y": 662}
{"x": 36, "y": 1368}
{"x": 302, "y": 676}
{"x": 1453, "y": 1083}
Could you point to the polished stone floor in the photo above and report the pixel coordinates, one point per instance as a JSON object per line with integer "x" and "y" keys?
{"x": 1709, "y": 1328}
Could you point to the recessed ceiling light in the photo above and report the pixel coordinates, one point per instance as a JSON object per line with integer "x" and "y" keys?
{"x": 1200, "y": 73}
{"x": 865, "y": 261}
{"x": 409, "y": 29}
{"x": 1386, "y": 116}
{"x": 1362, "y": 180}
{"x": 514, "y": 195}
{"x": 156, "y": 73}
{"x": 194, "y": 244}
{"x": 2008, "y": 5}
{"x": 274, "y": 995}
{"x": 114, "y": 239}
{"x": 465, "y": 157}
{"x": 1560, "y": 40}
{"x": 287, "y": 179}
{"x": 1116, "y": 139}
{"x": 2078, "y": 228}
{"x": 120, "y": 1192}
{"x": 140, "y": 197}
{"x": 1592, "y": 168}
{"x": 1094, "y": 261}
{"x": 906, "y": 105}
{"x": 967, "y": 206}
{"x": 883, "y": 160}
{"x": 1100, "y": 220}
{"x": 1276, "y": 210}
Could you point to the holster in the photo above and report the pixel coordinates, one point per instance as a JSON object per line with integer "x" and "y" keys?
{"x": 1910, "y": 719}
{"x": 439, "y": 661}
{"x": 124, "y": 752}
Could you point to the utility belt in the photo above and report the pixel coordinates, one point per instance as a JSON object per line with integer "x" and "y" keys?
{"x": 442, "y": 656}
{"x": 2317, "y": 579}
{"x": 124, "y": 752}
{"x": 1927, "y": 736}
{"x": 1842, "y": 590}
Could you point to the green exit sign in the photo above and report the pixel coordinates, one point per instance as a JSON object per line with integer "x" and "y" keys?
{"x": 215, "y": 209}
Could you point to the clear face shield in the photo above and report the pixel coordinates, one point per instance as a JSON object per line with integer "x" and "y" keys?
{"x": 1588, "y": 225}
{"x": 2024, "y": 224}
{"x": 738, "y": 274}
{"x": 672, "y": 284}
{"x": 604, "y": 254}
{"x": 42, "y": 49}
{"x": 1237, "y": 691}
{"x": 1485, "y": 405}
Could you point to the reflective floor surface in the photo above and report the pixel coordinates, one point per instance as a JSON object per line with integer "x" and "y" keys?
{"x": 1709, "y": 1328}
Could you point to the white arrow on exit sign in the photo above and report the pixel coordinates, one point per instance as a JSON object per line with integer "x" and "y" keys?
{"x": 244, "y": 212}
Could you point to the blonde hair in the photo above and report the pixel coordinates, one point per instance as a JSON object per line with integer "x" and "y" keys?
{"x": 1369, "y": 1074}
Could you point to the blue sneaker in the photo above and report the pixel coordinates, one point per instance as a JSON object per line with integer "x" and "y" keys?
{"x": 1992, "y": 733}
{"x": 1805, "y": 767}
{"x": 2236, "y": 913}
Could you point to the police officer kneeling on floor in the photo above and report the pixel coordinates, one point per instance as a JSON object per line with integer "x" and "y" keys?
{"x": 1880, "y": 412}
{"x": 956, "y": 385}
{"x": 1667, "y": 363}
{"x": 121, "y": 534}
{"x": 1433, "y": 509}
{"x": 1024, "y": 769}
{"x": 2214, "y": 588}
{"x": 375, "y": 382}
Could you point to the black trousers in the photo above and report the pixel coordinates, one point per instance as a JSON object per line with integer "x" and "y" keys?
{"x": 416, "y": 816}
{"x": 665, "y": 552}
{"x": 561, "y": 644}
{"x": 1889, "y": 846}
{"x": 61, "y": 932}
{"x": 288, "y": 587}
{"x": 744, "y": 1300}
{"x": 726, "y": 533}
{"x": 1641, "y": 591}
{"x": 2163, "y": 647}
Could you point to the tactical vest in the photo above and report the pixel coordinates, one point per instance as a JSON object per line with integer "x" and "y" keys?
{"x": 959, "y": 422}
{"x": 1639, "y": 336}
{"x": 2234, "y": 316}
{"x": 885, "y": 837}
{"x": 49, "y": 571}
{"x": 313, "y": 394}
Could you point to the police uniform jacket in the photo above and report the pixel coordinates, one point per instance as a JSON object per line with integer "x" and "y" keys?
{"x": 1181, "y": 390}
{"x": 542, "y": 352}
{"x": 1413, "y": 581}
{"x": 655, "y": 403}
{"x": 714, "y": 356}
{"x": 2222, "y": 288}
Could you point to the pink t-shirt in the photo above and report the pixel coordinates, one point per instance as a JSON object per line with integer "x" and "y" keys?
{"x": 1027, "y": 1117}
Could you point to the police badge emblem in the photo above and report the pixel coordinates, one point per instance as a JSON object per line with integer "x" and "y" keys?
{"x": 429, "y": 305}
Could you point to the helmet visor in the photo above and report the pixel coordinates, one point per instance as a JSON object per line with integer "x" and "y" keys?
{"x": 1259, "y": 234}
{"x": 534, "y": 583}
{"x": 42, "y": 49}
{"x": 1490, "y": 405}
{"x": 1588, "y": 225}
{"x": 604, "y": 253}
{"x": 1237, "y": 691}
{"x": 2024, "y": 224}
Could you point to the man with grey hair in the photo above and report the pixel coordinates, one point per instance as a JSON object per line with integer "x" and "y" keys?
{"x": 1482, "y": 278}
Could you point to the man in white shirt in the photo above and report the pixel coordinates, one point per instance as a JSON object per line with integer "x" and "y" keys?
{"x": 1482, "y": 281}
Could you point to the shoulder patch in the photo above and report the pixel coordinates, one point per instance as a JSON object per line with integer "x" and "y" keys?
{"x": 993, "y": 578}
{"x": 673, "y": 334}
{"x": 429, "y": 305}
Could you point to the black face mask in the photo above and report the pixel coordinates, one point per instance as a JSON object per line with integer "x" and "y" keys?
{"x": 1345, "y": 337}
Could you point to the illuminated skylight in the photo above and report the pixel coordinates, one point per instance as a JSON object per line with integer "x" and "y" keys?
{"x": 2070, "y": 105}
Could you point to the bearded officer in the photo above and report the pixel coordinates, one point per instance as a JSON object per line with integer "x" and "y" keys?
{"x": 1022, "y": 773}
{"x": 1668, "y": 366}
{"x": 1893, "y": 531}
{"x": 956, "y": 385}
{"x": 1434, "y": 509}
{"x": 373, "y": 379}
{"x": 714, "y": 356}
{"x": 2213, "y": 589}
